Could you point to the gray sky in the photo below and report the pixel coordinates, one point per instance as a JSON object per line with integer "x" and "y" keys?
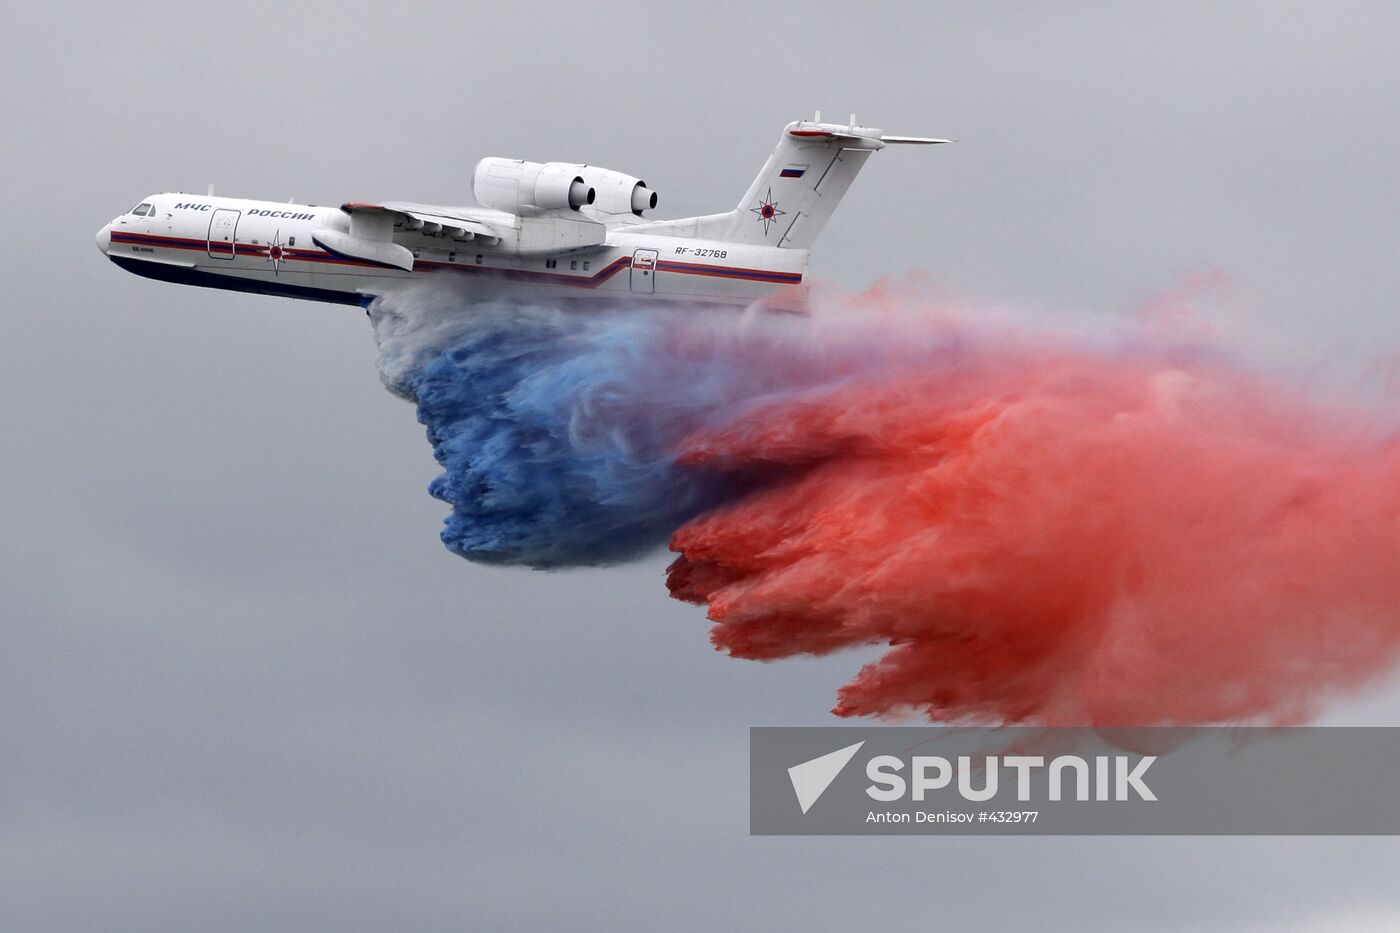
{"x": 244, "y": 687}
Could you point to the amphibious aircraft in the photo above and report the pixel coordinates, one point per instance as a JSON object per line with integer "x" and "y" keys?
{"x": 556, "y": 227}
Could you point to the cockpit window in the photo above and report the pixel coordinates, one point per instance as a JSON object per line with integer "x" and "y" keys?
{"x": 143, "y": 209}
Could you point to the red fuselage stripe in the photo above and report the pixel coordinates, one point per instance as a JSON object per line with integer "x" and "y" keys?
{"x": 579, "y": 281}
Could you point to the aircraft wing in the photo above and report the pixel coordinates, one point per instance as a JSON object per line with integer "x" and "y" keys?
{"x": 431, "y": 219}
{"x": 372, "y": 227}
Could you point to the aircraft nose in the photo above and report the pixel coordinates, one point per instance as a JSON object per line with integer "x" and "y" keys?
{"x": 104, "y": 238}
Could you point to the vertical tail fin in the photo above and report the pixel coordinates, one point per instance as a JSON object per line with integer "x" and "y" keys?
{"x": 799, "y": 187}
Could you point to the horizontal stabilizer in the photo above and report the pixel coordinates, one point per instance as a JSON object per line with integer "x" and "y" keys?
{"x": 913, "y": 140}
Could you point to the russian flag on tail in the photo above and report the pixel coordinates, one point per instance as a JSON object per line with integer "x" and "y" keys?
{"x": 793, "y": 171}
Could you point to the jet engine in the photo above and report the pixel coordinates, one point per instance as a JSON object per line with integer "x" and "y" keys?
{"x": 618, "y": 193}
{"x": 520, "y": 187}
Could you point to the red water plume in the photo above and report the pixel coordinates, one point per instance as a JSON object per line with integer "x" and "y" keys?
{"x": 1056, "y": 532}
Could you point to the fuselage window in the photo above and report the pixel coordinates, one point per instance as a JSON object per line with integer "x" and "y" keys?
{"x": 573, "y": 263}
{"x": 291, "y": 241}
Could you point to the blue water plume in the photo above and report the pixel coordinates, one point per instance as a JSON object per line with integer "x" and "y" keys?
{"x": 555, "y": 426}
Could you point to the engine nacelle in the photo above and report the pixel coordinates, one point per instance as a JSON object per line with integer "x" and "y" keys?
{"x": 519, "y": 187}
{"x": 617, "y": 193}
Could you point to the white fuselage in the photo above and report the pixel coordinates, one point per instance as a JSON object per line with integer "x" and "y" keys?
{"x": 267, "y": 247}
